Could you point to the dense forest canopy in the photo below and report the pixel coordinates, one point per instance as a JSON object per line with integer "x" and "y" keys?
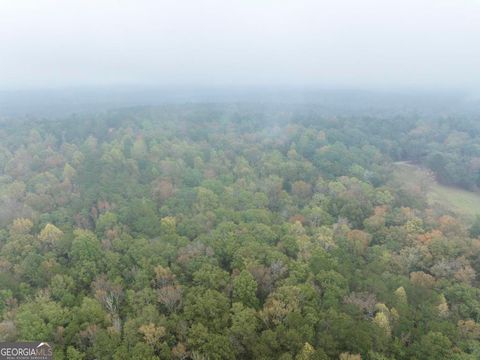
{"x": 221, "y": 231}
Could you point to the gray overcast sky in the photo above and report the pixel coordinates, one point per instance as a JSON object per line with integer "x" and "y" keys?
{"x": 341, "y": 43}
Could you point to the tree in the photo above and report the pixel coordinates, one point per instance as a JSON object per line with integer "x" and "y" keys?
{"x": 142, "y": 217}
{"x": 306, "y": 353}
{"x": 364, "y": 301}
{"x": 280, "y": 304}
{"x": 49, "y": 236}
{"x": 207, "y": 307}
{"x": 333, "y": 287}
{"x": 245, "y": 289}
{"x": 62, "y": 289}
{"x": 243, "y": 328}
{"x": 433, "y": 345}
{"x": 21, "y": 226}
{"x": 162, "y": 190}
{"x": 110, "y": 296}
{"x": 301, "y": 190}
{"x": 211, "y": 277}
{"x": 40, "y": 319}
{"x": 86, "y": 256}
{"x": 358, "y": 241}
{"x": 152, "y": 334}
{"x": 211, "y": 345}
{"x": 348, "y": 356}
{"x": 74, "y": 354}
{"x": 170, "y": 296}
{"x": 382, "y": 321}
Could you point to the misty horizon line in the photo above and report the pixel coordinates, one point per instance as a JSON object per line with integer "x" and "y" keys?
{"x": 92, "y": 99}
{"x": 395, "y": 88}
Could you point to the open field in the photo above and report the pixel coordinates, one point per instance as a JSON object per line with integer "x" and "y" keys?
{"x": 460, "y": 201}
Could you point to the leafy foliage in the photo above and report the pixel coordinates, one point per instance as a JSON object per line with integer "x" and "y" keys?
{"x": 237, "y": 232}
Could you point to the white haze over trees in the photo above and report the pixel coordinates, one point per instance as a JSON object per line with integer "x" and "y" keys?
{"x": 376, "y": 44}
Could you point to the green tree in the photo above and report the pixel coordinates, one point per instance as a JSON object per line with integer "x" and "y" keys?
{"x": 207, "y": 307}
{"x": 433, "y": 345}
{"x": 245, "y": 289}
{"x": 86, "y": 256}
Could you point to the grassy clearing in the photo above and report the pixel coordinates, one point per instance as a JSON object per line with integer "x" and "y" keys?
{"x": 463, "y": 202}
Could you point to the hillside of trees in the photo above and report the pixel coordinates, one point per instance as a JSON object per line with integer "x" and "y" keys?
{"x": 223, "y": 231}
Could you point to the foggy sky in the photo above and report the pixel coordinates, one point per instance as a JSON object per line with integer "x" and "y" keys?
{"x": 341, "y": 43}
